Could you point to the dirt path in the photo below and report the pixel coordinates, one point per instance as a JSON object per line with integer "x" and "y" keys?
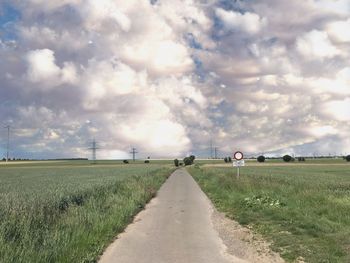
{"x": 181, "y": 225}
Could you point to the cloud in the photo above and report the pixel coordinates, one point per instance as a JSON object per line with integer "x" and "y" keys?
{"x": 339, "y": 31}
{"x": 248, "y": 22}
{"x": 43, "y": 71}
{"x": 167, "y": 77}
{"x": 316, "y": 44}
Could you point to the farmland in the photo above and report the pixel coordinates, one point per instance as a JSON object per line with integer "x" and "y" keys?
{"x": 70, "y": 211}
{"x": 303, "y": 209}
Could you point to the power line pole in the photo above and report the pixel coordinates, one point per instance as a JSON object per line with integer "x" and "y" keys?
{"x": 133, "y": 152}
{"x": 216, "y": 152}
{"x": 211, "y": 149}
{"x": 8, "y": 127}
{"x": 94, "y": 148}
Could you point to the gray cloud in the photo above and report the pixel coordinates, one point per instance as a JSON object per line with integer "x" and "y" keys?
{"x": 168, "y": 76}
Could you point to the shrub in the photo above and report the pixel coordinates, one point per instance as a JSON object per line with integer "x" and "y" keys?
{"x": 176, "y": 162}
{"x": 226, "y": 160}
{"x": 287, "y": 158}
{"x": 301, "y": 159}
{"x": 261, "y": 159}
{"x": 192, "y": 158}
{"x": 229, "y": 159}
{"x": 188, "y": 161}
{"x": 347, "y": 158}
{"x": 125, "y": 161}
{"x": 146, "y": 161}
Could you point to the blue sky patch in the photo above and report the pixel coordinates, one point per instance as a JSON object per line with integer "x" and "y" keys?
{"x": 8, "y": 16}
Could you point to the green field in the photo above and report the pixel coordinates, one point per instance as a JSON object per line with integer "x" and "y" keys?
{"x": 304, "y": 209}
{"x": 70, "y": 211}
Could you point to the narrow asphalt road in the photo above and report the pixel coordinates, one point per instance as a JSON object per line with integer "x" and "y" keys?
{"x": 175, "y": 227}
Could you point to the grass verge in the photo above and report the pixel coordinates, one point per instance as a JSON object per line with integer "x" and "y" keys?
{"x": 76, "y": 226}
{"x": 303, "y": 211}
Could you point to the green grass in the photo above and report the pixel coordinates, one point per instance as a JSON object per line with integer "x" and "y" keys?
{"x": 303, "y": 210}
{"x": 70, "y": 211}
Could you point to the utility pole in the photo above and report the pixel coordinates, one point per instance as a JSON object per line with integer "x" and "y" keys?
{"x": 133, "y": 152}
{"x": 211, "y": 149}
{"x": 8, "y": 141}
{"x": 94, "y": 148}
{"x": 216, "y": 152}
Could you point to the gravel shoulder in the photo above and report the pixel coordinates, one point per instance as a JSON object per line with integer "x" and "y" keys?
{"x": 241, "y": 242}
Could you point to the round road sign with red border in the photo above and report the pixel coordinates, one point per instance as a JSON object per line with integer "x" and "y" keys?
{"x": 238, "y": 155}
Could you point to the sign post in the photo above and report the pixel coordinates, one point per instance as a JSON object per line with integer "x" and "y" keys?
{"x": 239, "y": 162}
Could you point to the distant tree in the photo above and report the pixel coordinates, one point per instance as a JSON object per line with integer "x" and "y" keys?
{"x": 226, "y": 160}
{"x": 287, "y": 158}
{"x": 146, "y": 161}
{"x": 125, "y": 161}
{"x": 347, "y": 158}
{"x": 261, "y": 159}
{"x": 4, "y": 159}
{"x": 229, "y": 159}
{"x": 181, "y": 164}
{"x": 188, "y": 161}
{"x": 176, "y": 162}
{"x": 301, "y": 159}
{"x": 192, "y": 157}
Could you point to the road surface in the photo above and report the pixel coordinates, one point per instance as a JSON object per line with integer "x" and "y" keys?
{"x": 175, "y": 227}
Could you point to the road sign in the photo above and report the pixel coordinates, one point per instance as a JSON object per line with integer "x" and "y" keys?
{"x": 239, "y": 163}
{"x": 238, "y": 156}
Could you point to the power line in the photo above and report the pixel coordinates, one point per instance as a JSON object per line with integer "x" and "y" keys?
{"x": 133, "y": 152}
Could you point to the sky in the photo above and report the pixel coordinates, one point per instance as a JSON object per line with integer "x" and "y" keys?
{"x": 169, "y": 76}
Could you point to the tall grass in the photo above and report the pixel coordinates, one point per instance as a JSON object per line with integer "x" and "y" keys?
{"x": 69, "y": 214}
{"x": 303, "y": 210}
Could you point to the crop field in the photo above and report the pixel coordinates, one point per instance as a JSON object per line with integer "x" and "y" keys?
{"x": 70, "y": 211}
{"x": 303, "y": 209}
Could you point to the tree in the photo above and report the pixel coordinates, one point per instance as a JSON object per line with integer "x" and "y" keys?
{"x": 192, "y": 157}
{"x": 188, "y": 161}
{"x": 261, "y": 159}
{"x": 347, "y": 158}
{"x": 146, "y": 161}
{"x": 287, "y": 158}
{"x": 229, "y": 159}
{"x": 176, "y": 162}
{"x": 125, "y": 161}
{"x": 226, "y": 160}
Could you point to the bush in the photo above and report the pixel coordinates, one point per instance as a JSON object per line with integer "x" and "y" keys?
{"x": 146, "y": 161}
{"x": 176, "y": 162}
{"x": 261, "y": 159}
{"x": 287, "y": 158}
{"x": 192, "y": 158}
{"x": 347, "y": 158}
{"x": 226, "y": 160}
{"x": 229, "y": 159}
{"x": 125, "y": 161}
{"x": 301, "y": 159}
{"x": 188, "y": 161}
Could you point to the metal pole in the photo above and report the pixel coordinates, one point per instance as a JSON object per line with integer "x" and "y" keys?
{"x": 237, "y": 171}
{"x": 8, "y": 142}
